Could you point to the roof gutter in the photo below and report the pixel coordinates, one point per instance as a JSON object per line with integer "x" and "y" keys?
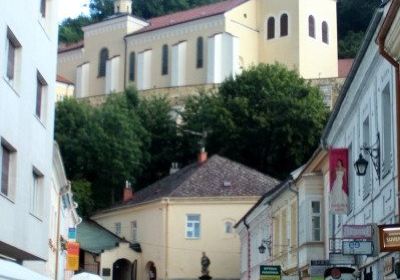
{"x": 383, "y": 32}
{"x": 354, "y": 68}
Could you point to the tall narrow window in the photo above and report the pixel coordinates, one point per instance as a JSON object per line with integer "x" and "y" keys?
{"x": 271, "y": 28}
{"x": 387, "y": 127}
{"x": 193, "y": 226}
{"x": 311, "y": 26}
{"x": 164, "y": 66}
{"x": 5, "y": 169}
{"x": 325, "y": 32}
{"x": 132, "y": 62}
{"x": 12, "y": 46}
{"x": 43, "y": 8}
{"x": 36, "y": 193}
{"x": 284, "y": 25}
{"x": 103, "y": 57}
{"x": 134, "y": 231}
{"x": 200, "y": 52}
{"x": 316, "y": 220}
{"x": 40, "y": 91}
{"x": 117, "y": 228}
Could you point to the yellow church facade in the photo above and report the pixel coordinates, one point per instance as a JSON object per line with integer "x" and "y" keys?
{"x": 201, "y": 47}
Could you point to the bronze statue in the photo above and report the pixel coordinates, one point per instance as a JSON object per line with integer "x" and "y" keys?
{"x": 205, "y": 263}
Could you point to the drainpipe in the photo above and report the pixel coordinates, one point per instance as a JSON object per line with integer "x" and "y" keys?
{"x": 248, "y": 249}
{"x": 381, "y": 43}
{"x": 126, "y": 57}
{"x": 296, "y": 192}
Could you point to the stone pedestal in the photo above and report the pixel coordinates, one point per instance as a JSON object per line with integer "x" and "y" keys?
{"x": 205, "y": 277}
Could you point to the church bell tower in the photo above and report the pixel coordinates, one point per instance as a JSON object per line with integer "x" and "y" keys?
{"x": 123, "y": 6}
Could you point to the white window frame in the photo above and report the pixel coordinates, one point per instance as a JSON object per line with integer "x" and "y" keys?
{"x": 316, "y": 215}
{"x": 11, "y": 39}
{"x": 190, "y": 226}
{"x": 40, "y": 81}
{"x": 134, "y": 232}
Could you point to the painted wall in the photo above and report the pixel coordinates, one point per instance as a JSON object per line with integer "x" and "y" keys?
{"x": 64, "y": 90}
{"x": 21, "y": 129}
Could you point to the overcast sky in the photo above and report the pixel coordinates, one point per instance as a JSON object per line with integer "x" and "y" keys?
{"x": 72, "y": 8}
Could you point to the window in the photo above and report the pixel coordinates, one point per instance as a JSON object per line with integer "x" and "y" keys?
{"x": 164, "y": 66}
{"x": 387, "y": 135}
{"x": 40, "y": 91}
{"x": 5, "y": 156}
{"x": 325, "y": 32}
{"x": 132, "y": 62}
{"x": 43, "y": 8}
{"x": 103, "y": 62}
{"x": 271, "y": 28}
{"x": 228, "y": 227}
{"x": 200, "y": 52}
{"x": 117, "y": 228}
{"x": 367, "y": 179}
{"x": 193, "y": 226}
{"x": 134, "y": 231}
{"x": 311, "y": 26}
{"x": 316, "y": 220}
{"x": 284, "y": 25}
{"x": 66, "y": 201}
{"x": 36, "y": 192}
{"x": 12, "y": 47}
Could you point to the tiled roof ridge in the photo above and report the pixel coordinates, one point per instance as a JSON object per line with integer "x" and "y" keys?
{"x": 63, "y": 47}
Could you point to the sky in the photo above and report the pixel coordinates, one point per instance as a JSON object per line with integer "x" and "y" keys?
{"x": 72, "y": 8}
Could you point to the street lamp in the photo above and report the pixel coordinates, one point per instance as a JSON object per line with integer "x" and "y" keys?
{"x": 268, "y": 243}
{"x": 374, "y": 152}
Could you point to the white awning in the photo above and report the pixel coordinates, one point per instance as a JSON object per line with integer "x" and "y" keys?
{"x": 12, "y": 271}
{"x": 86, "y": 276}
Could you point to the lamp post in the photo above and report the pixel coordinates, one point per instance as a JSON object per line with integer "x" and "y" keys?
{"x": 374, "y": 151}
{"x": 268, "y": 243}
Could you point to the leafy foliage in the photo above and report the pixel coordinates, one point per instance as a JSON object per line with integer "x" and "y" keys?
{"x": 350, "y": 44}
{"x": 70, "y": 30}
{"x": 268, "y": 118}
{"x": 82, "y": 190}
{"x": 100, "y": 9}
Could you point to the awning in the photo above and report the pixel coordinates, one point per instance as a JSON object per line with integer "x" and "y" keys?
{"x": 86, "y": 276}
{"x": 12, "y": 271}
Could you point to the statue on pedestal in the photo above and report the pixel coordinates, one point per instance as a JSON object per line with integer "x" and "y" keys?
{"x": 205, "y": 263}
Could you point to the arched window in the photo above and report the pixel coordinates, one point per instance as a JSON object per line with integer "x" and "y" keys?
{"x": 271, "y": 28}
{"x": 325, "y": 32}
{"x": 200, "y": 53}
{"x": 284, "y": 25}
{"x": 311, "y": 26}
{"x": 132, "y": 62}
{"x": 102, "y": 62}
{"x": 228, "y": 227}
{"x": 164, "y": 66}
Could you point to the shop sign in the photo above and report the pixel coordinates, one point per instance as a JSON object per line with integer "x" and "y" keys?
{"x": 72, "y": 256}
{"x": 317, "y": 268}
{"x": 270, "y": 272}
{"x": 356, "y": 247}
{"x": 388, "y": 265}
{"x": 357, "y": 231}
{"x": 72, "y": 233}
{"x": 340, "y": 259}
{"x": 389, "y": 238}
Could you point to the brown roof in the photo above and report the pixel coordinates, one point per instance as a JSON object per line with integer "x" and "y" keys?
{"x": 210, "y": 179}
{"x": 344, "y": 66}
{"x": 189, "y": 15}
{"x": 69, "y": 47}
{"x": 61, "y": 79}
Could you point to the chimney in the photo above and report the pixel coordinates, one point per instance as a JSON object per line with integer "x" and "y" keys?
{"x": 202, "y": 157}
{"x": 128, "y": 193}
{"x": 174, "y": 168}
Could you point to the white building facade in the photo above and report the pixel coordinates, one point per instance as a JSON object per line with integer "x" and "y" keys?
{"x": 365, "y": 115}
{"x": 28, "y": 49}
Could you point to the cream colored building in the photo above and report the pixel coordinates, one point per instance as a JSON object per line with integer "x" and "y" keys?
{"x": 177, "y": 218}
{"x": 64, "y": 88}
{"x": 179, "y": 53}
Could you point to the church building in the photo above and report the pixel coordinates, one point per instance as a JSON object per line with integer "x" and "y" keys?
{"x": 179, "y": 53}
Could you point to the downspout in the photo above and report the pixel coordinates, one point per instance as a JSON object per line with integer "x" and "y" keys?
{"x": 296, "y": 192}
{"x": 166, "y": 239}
{"x": 248, "y": 250}
{"x": 126, "y": 57}
{"x": 381, "y": 43}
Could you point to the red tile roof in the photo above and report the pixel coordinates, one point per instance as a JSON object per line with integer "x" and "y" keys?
{"x": 344, "y": 66}
{"x": 69, "y": 47}
{"x": 189, "y": 15}
{"x": 61, "y": 79}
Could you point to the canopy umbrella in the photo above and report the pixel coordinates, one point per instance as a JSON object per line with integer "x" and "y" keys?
{"x": 86, "y": 276}
{"x": 12, "y": 271}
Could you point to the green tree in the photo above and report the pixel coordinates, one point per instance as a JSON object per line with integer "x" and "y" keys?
{"x": 267, "y": 117}
{"x": 100, "y": 9}
{"x": 83, "y": 195}
{"x": 70, "y": 30}
{"x": 349, "y": 45}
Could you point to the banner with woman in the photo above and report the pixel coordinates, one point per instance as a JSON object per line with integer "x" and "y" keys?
{"x": 339, "y": 190}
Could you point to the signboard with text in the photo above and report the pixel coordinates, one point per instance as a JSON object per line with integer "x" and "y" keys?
{"x": 72, "y": 256}
{"x": 357, "y": 231}
{"x": 389, "y": 238}
{"x": 317, "y": 269}
{"x": 270, "y": 272}
{"x": 72, "y": 233}
{"x": 357, "y": 247}
{"x": 340, "y": 259}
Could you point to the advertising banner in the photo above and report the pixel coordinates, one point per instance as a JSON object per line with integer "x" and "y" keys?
{"x": 72, "y": 256}
{"x": 338, "y": 187}
{"x": 270, "y": 272}
{"x": 389, "y": 238}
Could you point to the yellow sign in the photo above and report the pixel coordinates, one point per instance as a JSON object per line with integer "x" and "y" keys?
{"x": 72, "y": 263}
